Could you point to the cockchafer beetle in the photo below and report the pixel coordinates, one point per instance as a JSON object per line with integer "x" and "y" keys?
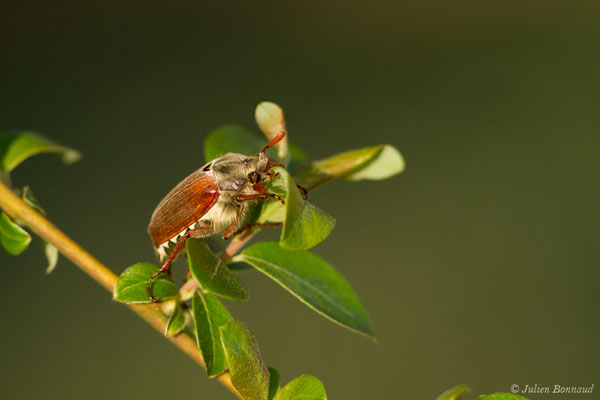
{"x": 210, "y": 201}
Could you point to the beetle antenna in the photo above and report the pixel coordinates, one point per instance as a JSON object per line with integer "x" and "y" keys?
{"x": 273, "y": 142}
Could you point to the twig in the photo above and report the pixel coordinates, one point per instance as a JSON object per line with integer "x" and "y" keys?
{"x": 16, "y": 208}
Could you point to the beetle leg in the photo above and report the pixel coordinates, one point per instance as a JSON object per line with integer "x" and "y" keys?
{"x": 253, "y": 224}
{"x": 272, "y": 174}
{"x": 199, "y": 232}
{"x": 167, "y": 265}
{"x": 304, "y": 191}
{"x": 238, "y": 217}
{"x": 272, "y": 165}
{"x": 259, "y": 187}
{"x": 244, "y": 197}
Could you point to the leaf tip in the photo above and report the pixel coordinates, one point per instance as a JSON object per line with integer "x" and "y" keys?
{"x": 71, "y": 156}
{"x": 388, "y": 162}
{"x": 269, "y": 118}
{"x": 14, "y": 238}
{"x": 51, "y": 252}
{"x": 454, "y": 393}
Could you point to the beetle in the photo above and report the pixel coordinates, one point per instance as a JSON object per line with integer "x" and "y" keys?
{"x": 210, "y": 201}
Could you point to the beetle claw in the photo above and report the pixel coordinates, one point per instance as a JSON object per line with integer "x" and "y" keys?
{"x": 149, "y": 290}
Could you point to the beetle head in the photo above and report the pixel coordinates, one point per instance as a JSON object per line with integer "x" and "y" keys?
{"x": 260, "y": 167}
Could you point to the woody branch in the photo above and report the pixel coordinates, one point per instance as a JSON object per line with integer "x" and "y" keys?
{"x": 151, "y": 313}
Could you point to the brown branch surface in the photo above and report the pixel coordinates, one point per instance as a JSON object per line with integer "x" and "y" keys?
{"x": 151, "y": 313}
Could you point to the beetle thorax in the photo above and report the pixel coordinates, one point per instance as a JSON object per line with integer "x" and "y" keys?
{"x": 231, "y": 171}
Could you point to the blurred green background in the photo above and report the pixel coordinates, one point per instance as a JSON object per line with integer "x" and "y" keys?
{"x": 479, "y": 264}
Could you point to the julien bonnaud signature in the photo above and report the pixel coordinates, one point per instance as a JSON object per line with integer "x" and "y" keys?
{"x": 555, "y": 389}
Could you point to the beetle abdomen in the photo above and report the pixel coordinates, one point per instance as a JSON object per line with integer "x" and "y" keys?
{"x": 216, "y": 220}
{"x": 183, "y": 206}
{"x": 164, "y": 250}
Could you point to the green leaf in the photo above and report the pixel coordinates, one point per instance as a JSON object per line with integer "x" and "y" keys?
{"x": 313, "y": 281}
{"x": 270, "y": 120}
{"x": 31, "y": 201}
{"x": 131, "y": 286}
{"x": 274, "y": 380}
{"x": 232, "y": 139}
{"x": 209, "y": 315}
{"x": 304, "y": 225}
{"x": 387, "y": 163}
{"x": 304, "y": 387}
{"x": 249, "y": 374}
{"x": 14, "y": 239}
{"x": 375, "y": 163}
{"x": 501, "y": 396}
{"x": 16, "y": 147}
{"x": 239, "y": 266}
{"x": 211, "y": 273}
{"x": 177, "y": 321}
{"x": 51, "y": 255}
{"x": 272, "y": 209}
{"x": 453, "y": 393}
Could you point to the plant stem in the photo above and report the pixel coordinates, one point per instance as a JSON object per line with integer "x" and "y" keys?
{"x": 151, "y": 313}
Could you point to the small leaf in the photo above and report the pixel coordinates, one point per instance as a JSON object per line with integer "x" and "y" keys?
{"x": 249, "y": 373}
{"x": 176, "y": 322}
{"x": 375, "y": 162}
{"x": 304, "y": 225}
{"x": 270, "y": 120}
{"x": 313, "y": 281}
{"x": 131, "y": 286}
{"x": 272, "y": 209}
{"x": 274, "y": 380}
{"x": 14, "y": 239}
{"x": 51, "y": 255}
{"x": 304, "y": 387}
{"x": 453, "y": 393}
{"x": 16, "y": 147}
{"x": 209, "y": 315}
{"x": 211, "y": 273}
{"x": 387, "y": 163}
{"x": 31, "y": 201}
{"x": 501, "y": 396}
{"x": 232, "y": 139}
